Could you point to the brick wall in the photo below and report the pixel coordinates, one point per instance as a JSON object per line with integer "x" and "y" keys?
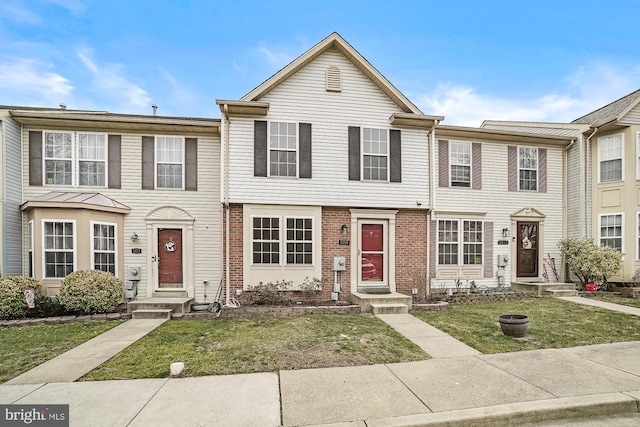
{"x": 235, "y": 247}
{"x": 332, "y": 220}
{"x": 411, "y": 251}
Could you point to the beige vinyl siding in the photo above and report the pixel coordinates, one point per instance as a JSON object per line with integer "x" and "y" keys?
{"x": 533, "y": 129}
{"x": 303, "y": 98}
{"x": 632, "y": 117}
{"x": 498, "y": 204}
{"x": 11, "y": 197}
{"x": 575, "y": 194}
{"x": 203, "y": 205}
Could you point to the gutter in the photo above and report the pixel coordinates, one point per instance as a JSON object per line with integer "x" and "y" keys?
{"x": 225, "y": 204}
{"x": 565, "y": 154}
{"x": 432, "y": 200}
{"x": 589, "y": 199}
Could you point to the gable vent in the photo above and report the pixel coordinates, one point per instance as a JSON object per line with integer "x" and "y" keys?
{"x": 334, "y": 79}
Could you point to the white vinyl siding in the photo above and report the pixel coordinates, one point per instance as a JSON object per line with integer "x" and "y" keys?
{"x": 104, "y": 248}
{"x": 169, "y": 162}
{"x": 59, "y": 248}
{"x": 611, "y": 231}
{"x": 304, "y": 98}
{"x": 75, "y": 158}
{"x": 611, "y": 158}
{"x": 283, "y": 149}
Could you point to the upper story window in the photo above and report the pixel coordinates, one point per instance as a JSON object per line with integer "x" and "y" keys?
{"x": 169, "y": 162}
{"x": 375, "y": 152}
{"x": 611, "y": 231}
{"x": 59, "y": 252}
{"x": 283, "y": 149}
{"x": 460, "y": 164}
{"x": 528, "y": 168}
{"x": 75, "y": 158}
{"x": 610, "y": 157}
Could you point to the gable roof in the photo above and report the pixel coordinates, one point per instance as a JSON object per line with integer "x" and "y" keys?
{"x": 611, "y": 112}
{"x": 334, "y": 40}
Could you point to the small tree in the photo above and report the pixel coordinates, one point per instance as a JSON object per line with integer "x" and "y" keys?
{"x": 590, "y": 263}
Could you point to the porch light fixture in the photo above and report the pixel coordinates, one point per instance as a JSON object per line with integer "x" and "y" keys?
{"x": 135, "y": 237}
{"x": 344, "y": 229}
{"x": 506, "y": 232}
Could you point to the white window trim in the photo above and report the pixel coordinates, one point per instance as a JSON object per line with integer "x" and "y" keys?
{"x": 470, "y": 165}
{"x": 622, "y": 231}
{"x": 537, "y": 169}
{"x": 44, "y": 250}
{"x": 297, "y": 150}
{"x": 75, "y": 158}
{"x": 621, "y": 156}
{"x": 30, "y": 249}
{"x": 115, "y": 244}
{"x": 362, "y": 154}
{"x": 156, "y": 163}
{"x": 284, "y": 239}
{"x": 460, "y": 243}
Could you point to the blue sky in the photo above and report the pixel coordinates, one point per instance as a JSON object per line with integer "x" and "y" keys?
{"x": 466, "y": 60}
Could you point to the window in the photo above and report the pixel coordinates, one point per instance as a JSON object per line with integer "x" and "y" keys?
{"x": 528, "y": 168}
{"x": 454, "y": 246}
{"x": 611, "y": 231}
{"x": 374, "y": 154}
{"x": 299, "y": 241}
{"x": 283, "y": 149}
{"x": 610, "y": 149}
{"x": 267, "y": 240}
{"x": 79, "y": 161}
{"x": 169, "y": 161}
{"x": 460, "y": 161}
{"x": 104, "y": 247}
{"x": 59, "y": 246}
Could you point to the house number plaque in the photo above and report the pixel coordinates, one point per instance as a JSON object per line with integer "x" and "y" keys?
{"x": 343, "y": 242}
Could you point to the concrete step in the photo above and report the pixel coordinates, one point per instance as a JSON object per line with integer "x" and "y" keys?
{"x": 539, "y": 288}
{"x": 366, "y": 300}
{"x": 158, "y": 313}
{"x": 561, "y": 292}
{"x": 169, "y": 294}
{"x": 177, "y": 305}
{"x": 389, "y": 308}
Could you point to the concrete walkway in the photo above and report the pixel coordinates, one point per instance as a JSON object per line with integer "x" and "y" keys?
{"x": 78, "y": 361}
{"x": 603, "y": 304}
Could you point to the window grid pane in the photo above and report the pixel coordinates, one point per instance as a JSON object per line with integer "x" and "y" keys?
{"x": 169, "y": 168}
{"x": 611, "y": 231}
{"x": 375, "y": 151}
{"x": 448, "y": 242}
{"x": 610, "y": 150}
{"x": 92, "y": 159}
{"x": 104, "y": 248}
{"x": 266, "y": 240}
{"x": 58, "y": 248}
{"x": 283, "y": 148}
{"x": 472, "y": 247}
{"x": 299, "y": 241}
{"x": 528, "y": 167}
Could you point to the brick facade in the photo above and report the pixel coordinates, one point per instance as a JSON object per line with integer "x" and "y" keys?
{"x": 411, "y": 251}
{"x": 332, "y": 220}
{"x": 235, "y": 246}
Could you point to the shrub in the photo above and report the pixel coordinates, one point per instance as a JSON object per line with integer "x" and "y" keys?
{"x": 91, "y": 292}
{"x": 47, "y": 307}
{"x": 269, "y": 293}
{"x": 310, "y": 287}
{"x": 590, "y": 263}
{"x": 12, "y": 300}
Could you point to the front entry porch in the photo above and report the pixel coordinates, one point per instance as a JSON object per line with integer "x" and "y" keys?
{"x": 158, "y": 307}
{"x": 389, "y": 303}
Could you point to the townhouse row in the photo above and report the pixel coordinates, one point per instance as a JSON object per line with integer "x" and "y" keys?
{"x": 323, "y": 171}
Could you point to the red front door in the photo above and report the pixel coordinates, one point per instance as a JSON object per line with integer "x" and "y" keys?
{"x": 170, "y": 258}
{"x": 372, "y": 264}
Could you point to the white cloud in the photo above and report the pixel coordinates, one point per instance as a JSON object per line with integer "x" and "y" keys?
{"x": 178, "y": 96}
{"x": 275, "y": 59}
{"x": 109, "y": 81}
{"x": 33, "y": 79}
{"x": 15, "y": 10}
{"x": 74, "y": 6}
{"x": 587, "y": 89}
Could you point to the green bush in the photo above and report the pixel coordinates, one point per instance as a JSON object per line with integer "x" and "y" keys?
{"x": 269, "y": 293}
{"x": 590, "y": 263}
{"x": 47, "y": 307}
{"x": 12, "y": 300}
{"x": 91, "y": 292}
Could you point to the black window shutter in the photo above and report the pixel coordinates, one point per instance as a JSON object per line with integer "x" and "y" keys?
{"x": 191, "y": 164}
{"x": 35, "y": 158}
{"x": 260, "y": 148}
{"x": 304, "y": 150}
{"x": 395, "y": 154}
{"x": 114, "y": 161}
{"x": 443, "y": 163}
{"x": 148, "y": 174}
{"x": 354, "y": 153}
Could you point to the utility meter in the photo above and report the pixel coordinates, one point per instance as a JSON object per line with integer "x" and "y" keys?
{"x": 339, "y": 263}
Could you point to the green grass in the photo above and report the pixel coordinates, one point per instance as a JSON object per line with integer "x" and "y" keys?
{"x": 631, "y": 302}
{"x": 553, "y": 323}
{"x": 216, "y": 347}
{"x": 23, "y": 348}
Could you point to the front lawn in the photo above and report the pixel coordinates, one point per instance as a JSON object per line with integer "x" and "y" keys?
{"x": 233, "y": 346}
{"x": 24, "y": 348}
{"x": 553, "y": 323}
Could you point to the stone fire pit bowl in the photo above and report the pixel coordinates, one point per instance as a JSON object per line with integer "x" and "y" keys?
{"x": 514, "y": 325}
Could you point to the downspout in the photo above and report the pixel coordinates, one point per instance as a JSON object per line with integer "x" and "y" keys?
{"x": 589, "y": 182}
{"x": 432, "y": 202}
{"x": 565, "y": 214}
{"x": 225, "y": 201}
